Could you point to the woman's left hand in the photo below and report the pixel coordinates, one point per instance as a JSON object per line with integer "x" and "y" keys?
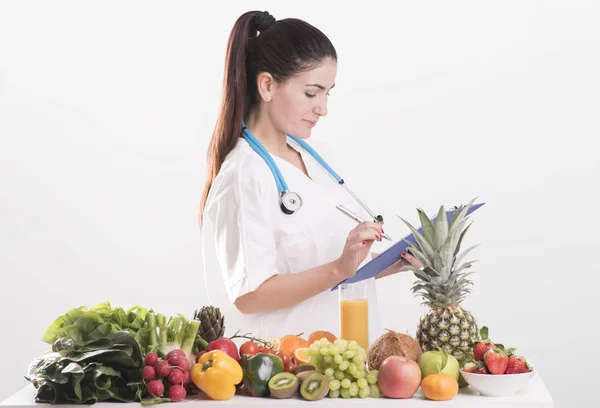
{"x": 408, "y": 260}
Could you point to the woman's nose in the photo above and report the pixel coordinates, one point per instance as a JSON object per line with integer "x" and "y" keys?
{"x": 321, "y": 108}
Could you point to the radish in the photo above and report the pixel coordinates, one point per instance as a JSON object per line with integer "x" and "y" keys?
{"x": 148, "y": 373}
{"x": 181, "y": 362}
{"x": 176, "y": 377}
{"x": 151, "y": 358}
{"x": 155, "y": 388}
{"x": 163, "y": 368}
{"x": 177, "y": 393}
{"x": 186, "y": 378}
{"x": 173, "y": 353}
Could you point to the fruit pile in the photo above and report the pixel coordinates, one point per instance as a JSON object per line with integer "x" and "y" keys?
{"x": 171, "y": 374}
{"x": 343, "y": 369}
{"x": 492, "y": 358}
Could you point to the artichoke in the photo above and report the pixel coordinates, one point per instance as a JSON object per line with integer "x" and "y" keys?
{"x": 212, "y": 323}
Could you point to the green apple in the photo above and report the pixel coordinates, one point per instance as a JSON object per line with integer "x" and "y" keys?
{"x": 438, "y": 362}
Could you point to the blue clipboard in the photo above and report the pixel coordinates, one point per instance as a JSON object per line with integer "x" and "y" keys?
{"x": 393, "y": 254}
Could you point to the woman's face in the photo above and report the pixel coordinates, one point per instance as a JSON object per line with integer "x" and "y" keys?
{"x": 297, "y": 105}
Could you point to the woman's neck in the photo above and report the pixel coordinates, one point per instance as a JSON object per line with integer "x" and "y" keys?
{"x": 263, "y": 130}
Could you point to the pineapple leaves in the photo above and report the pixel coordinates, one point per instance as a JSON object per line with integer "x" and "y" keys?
{"x": 431, "y": 272}
{"x": 419, "y": 273}
{"x": 457, "y": 249}
{"x": 464, "y": 266}
{"x": 441, "y": 228}
{"x": 427, "y": 225}
{"x": 416, "y": 252}
{"x": 423, "y": 244}
{"x": 465, "y": 252}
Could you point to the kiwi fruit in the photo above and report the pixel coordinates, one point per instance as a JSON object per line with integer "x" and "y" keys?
{"x": 283, "y": 385}
{"x": 304, "y": 375}
{"x": 303, "y": 367}
{"x": 314, "y": 387}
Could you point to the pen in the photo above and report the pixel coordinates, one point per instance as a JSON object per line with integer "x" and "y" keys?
{"x": 356, "y": 218}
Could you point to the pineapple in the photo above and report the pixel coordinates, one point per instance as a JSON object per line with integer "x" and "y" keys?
{"x": 212, "y": 323}
{"x": 443, "y": 284}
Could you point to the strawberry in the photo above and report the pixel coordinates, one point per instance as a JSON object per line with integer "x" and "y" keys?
{"x": 496, "y": 360}
{"x": 476, "y": 367}
{"x": 517, "y": 365}
{"x": 482, "y": 346}
{"x": 482, "y": 369}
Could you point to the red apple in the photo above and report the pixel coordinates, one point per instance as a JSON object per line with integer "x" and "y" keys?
{"x": 399, "y": 377}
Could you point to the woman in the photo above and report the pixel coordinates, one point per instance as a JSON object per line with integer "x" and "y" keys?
{"x": 277, "y": 269}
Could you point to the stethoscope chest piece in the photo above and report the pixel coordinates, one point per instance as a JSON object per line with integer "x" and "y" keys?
{"x": 290, "y": 202}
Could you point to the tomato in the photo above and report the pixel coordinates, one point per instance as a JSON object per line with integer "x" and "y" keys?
{"x": 268, "y": 351}
{"x": 285, "y": 356}
{"x": 289, "y": 367}
{"x": 250, "y": 348}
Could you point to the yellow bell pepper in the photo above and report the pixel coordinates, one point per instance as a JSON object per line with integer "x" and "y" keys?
{"x": 217, "y": 374}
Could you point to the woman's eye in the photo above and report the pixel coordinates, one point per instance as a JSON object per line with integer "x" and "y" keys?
{"x": 310, "y": 95}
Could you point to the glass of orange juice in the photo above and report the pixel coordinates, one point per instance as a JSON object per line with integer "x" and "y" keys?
{"x": 354, "y": 313}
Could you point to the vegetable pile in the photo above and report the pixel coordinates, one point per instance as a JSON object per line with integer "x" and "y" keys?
{"x": 98, "y": 354}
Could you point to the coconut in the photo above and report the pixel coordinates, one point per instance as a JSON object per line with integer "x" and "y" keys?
{"x": 392, "y": 344}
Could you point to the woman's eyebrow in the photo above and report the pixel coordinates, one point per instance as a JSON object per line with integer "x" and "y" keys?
{"x": 320, "y": 86}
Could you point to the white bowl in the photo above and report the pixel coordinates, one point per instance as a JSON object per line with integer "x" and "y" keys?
{"x": 498, "y": 385}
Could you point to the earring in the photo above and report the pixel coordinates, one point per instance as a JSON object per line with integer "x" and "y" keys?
{"x": 268, "y": 97}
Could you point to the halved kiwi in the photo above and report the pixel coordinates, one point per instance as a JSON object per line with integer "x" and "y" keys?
{"x": 304, "y": 375}
{"x": 303, "y": 367}
{"x": 314, "y": 387}
{"x": 283, "y": 385}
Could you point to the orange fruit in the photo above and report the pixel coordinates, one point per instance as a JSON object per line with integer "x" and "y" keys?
{"x": 439, "y": 387}
{"x": 319, "y": 334}
{"x": 291, "y": 343}
{"x": 300, "y": 356}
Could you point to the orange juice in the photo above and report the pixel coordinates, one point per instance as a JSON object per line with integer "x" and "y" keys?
{"x": 354, "y": 321}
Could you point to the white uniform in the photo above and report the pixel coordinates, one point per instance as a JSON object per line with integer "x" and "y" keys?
{"x": 247, "y": 239}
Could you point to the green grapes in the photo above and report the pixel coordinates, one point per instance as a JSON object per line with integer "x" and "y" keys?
{"x": 344, "y": 364}
{"x": 364, "y": 392}
{"x": 375, "y": 391}
{"x": 372, "y": 377}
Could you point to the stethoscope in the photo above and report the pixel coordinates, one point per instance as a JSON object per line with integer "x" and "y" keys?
{"x": 290, "y": 201}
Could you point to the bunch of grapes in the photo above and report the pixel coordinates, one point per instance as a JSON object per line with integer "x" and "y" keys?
{"x": 343, "y": 362}
{"x": 172, "y": 373}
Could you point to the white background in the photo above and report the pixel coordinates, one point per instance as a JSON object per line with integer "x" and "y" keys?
{"x": 106, "y": 109}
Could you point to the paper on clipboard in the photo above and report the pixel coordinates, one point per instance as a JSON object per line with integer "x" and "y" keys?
{"x": 393, "y": 253}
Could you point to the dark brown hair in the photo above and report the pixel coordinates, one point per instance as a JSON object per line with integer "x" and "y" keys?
{"x": 284, "y": 48}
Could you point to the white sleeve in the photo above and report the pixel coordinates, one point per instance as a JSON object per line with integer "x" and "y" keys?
{"x": 243, "y": 236}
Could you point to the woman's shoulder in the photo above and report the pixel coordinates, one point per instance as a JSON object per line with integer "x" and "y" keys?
{"x": 242, "y": 168}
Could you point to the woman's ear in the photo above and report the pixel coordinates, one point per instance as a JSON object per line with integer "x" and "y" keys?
{"x": 266, "y": 86}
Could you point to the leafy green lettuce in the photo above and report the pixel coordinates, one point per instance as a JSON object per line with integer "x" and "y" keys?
{"x": 90, "y": 371}
{"x": 83, "y": 325}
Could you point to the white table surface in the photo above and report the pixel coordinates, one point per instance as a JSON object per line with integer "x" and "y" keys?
{"x": 535, "y": 396}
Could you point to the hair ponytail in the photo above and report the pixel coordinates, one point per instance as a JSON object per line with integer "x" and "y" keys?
{"x": 284, "y": 48}
{"x": 233, "y": 103}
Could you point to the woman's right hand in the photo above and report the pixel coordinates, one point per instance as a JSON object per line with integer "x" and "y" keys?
{"x": 357, "y": 247}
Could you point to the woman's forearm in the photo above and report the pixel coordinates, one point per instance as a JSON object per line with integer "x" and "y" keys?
{"x": 281, "y": 291}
